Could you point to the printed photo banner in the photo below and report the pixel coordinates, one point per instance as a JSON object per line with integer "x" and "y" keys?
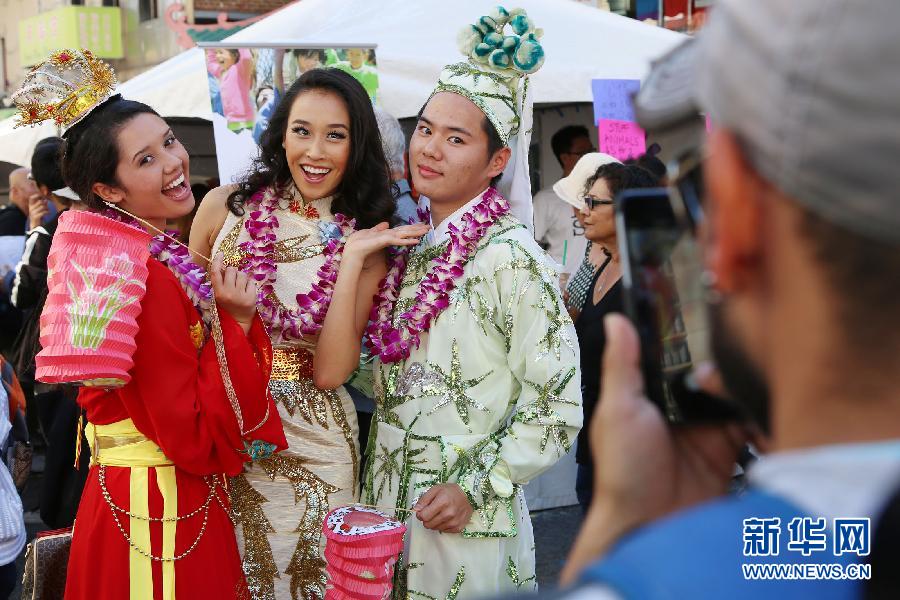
{"x": 247, "y": 83}
{"x": 618, "y": 133}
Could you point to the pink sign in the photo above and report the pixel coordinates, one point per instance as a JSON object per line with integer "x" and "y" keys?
{"x": 621, "y": 139}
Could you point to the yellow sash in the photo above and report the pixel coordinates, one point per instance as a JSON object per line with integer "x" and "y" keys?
{"x": 120, "y": 444}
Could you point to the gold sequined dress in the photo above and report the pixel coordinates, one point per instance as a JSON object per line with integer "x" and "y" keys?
{"x": 280, "y": 502}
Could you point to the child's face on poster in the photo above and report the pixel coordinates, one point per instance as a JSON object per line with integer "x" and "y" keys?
{"x": 308, "y": 62}
{"x": 356, "y": 56}
{"x": 263, "y": 96}
{"x": 224, "y": 58}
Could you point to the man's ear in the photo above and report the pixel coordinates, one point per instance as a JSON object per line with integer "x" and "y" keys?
{"x": 735, "y": 196}
{"x": 108, "y": 193}
{"x": 498, "y": 161}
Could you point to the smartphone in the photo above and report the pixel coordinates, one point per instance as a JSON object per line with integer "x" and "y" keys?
{"x": 665, "y": 299}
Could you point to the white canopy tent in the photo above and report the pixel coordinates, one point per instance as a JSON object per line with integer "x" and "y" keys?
{"x": 414, "y": 40}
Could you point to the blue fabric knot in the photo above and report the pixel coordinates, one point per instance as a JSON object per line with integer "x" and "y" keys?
{"x": 329, "y": 230}
{"x": 258, "y": 449}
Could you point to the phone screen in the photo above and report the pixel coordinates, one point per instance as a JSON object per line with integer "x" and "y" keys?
{"x": 665, "y": 299}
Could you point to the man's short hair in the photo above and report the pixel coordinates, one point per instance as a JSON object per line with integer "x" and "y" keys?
{"x": 562, "y": 140}
{"x": 393, "y": 140}
{"x": 46, "y": 167}
{"x": 861, "y": 273}
{"x": 494, "y": 144}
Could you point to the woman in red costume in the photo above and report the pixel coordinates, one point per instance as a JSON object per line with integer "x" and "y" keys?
{"x": 154, "y": 520}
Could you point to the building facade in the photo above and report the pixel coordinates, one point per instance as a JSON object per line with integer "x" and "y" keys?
{"x": 132, "y": 35}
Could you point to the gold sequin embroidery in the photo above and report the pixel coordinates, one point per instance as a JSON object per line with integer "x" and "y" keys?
{"x": 541, "y": 412}
{"x": 451, "y": 388}
{"x": 197, "y": 337}
{"x": 231, "y": 254}
{"x": 306, "y": 568}
{"x": 292, "y": 386}
{"x": 286, "y": 251}
{"x": 512, "y": 571}
{"x": 259, "y": 562}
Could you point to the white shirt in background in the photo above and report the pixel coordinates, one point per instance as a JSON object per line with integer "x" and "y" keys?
{"x": 557, "y": 230}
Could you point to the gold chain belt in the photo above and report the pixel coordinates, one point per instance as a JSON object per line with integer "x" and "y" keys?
{"x": 120, "y": 444}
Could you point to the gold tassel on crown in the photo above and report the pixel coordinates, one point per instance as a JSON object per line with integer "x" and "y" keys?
{"x": 65, "y": 88}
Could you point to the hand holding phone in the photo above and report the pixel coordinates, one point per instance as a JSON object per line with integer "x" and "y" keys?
{"x": 665, "y": 299}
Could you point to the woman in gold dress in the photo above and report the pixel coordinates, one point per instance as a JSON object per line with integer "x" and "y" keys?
{"x": 288, "y": 224}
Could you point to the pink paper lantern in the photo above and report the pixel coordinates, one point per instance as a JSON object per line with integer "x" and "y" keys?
{"x": 371, "y": 569}
{"x": 97, "y": 276}
{"x": 362, "y": 546}
{"x": 360, "y": 589}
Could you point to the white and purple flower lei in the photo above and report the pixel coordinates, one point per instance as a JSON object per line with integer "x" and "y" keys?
{"x": 193, "y": 278}
{"x": 177, "y": 258}
{"x": 262, "y": 225}
{"x": 393, "y": 344}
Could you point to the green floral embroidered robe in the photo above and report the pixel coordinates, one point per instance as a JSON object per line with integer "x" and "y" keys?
{"x": 489, "y": 400}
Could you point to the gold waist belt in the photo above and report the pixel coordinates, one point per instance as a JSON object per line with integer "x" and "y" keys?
{"x": 120, "y": 444}
{"x": 292, "y": 364}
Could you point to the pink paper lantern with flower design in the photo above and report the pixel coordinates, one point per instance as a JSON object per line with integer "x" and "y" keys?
{"x": 97, "y": 276}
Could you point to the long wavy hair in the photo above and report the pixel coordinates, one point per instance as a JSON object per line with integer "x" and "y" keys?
{"x": 365, "y": 191}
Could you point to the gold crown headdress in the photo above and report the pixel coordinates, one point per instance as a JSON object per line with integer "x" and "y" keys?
{"x": 65, "y": 88}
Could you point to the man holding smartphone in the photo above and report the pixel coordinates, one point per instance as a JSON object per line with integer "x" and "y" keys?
{"x": 801, "y": 244}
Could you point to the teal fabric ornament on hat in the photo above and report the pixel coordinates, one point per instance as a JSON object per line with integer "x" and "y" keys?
{"x": 501, "y": 49}
{"x": 498, "y": 63}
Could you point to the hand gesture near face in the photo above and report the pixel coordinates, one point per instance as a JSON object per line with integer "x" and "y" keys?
{"x": 234, "y": 291}
{"x": 37, "y": 210}
{"x": 368, "y": 241}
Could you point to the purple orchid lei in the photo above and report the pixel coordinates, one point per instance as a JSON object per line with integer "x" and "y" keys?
{"x": 393, "y": 344}
{"x": 193, "y": 278}
{"x": 312, "y": 306}
{"x": 177, "y": 258}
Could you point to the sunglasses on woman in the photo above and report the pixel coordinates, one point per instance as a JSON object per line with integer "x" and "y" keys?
{"x": 592, "y": 203}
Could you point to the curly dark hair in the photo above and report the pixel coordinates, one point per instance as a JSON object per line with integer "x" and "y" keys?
{"x": 365, "y": 192}
{"x": 619, "y": 177}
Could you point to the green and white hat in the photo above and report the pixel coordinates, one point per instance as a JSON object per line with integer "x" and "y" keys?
{"x": 494, "y": 77}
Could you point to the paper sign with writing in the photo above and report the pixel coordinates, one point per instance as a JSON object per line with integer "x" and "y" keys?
{"x": 622, "y": 139}
{"x": 612, "y": 98}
